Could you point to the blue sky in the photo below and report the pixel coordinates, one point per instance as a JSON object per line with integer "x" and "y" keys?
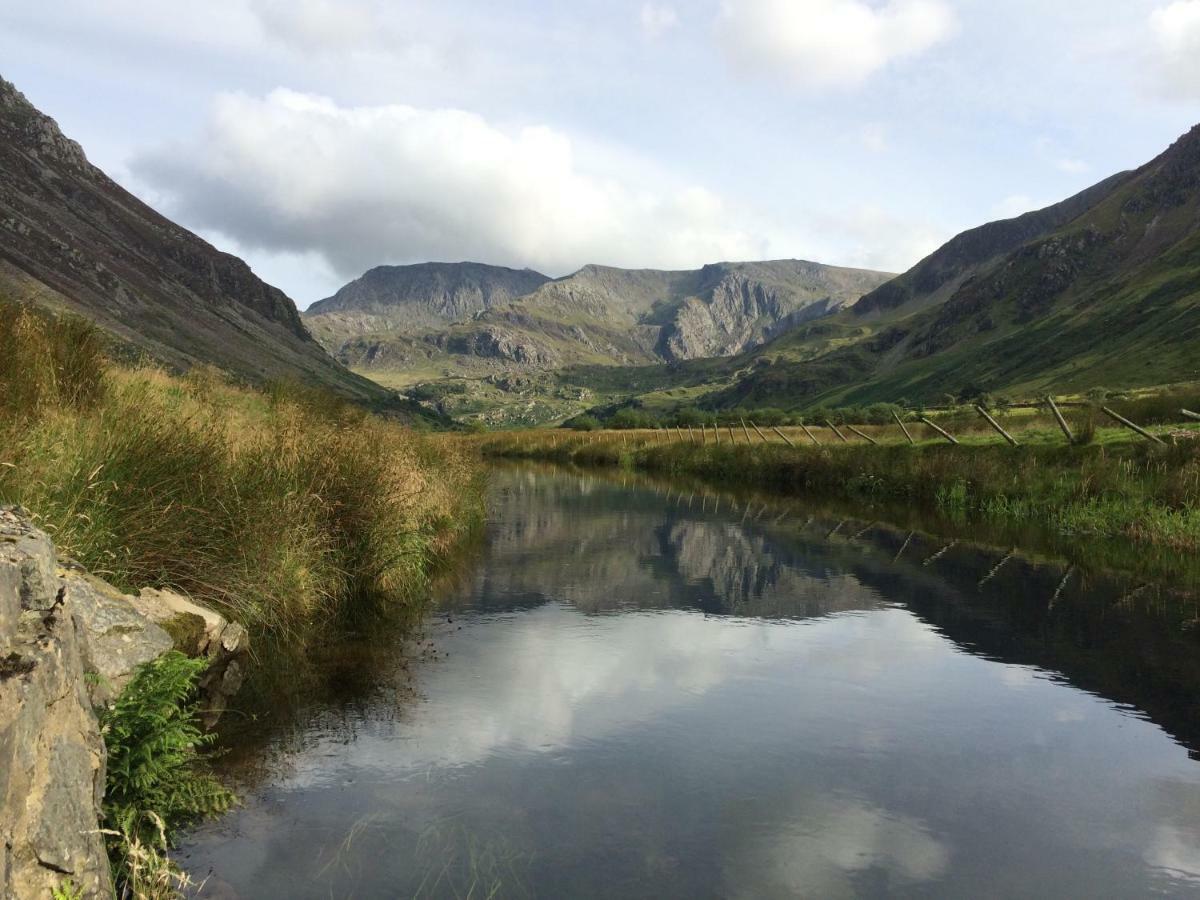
{"x": 318, "y": 138}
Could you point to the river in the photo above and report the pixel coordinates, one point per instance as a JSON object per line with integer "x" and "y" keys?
{"x": 635, "y": 691}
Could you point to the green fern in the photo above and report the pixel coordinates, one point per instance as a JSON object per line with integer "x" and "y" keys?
{"x": 156, "y": 780}
{"x": 67, "y": 891}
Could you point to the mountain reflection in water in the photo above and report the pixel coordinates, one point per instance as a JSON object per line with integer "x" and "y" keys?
{"x": 636, "y": 692}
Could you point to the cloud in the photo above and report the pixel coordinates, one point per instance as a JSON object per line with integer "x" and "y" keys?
{"x": 1051, "y": 152}
{"x": 657, "y": 19}
{"x": 830, "y": 43}
{"x": 1015, "y": 205}
{"x": 362, "y": 186}
{"x": 318, "y": 25}
{"x": 874, "y": 238}
{"x": 1176, "y": 32}
{"x": 874, "y": 138}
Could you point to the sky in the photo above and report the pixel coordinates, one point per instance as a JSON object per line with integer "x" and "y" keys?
{"x": 317, "y": 139}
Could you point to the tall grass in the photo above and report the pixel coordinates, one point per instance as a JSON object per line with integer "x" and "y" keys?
{"x": 282, "y": 508}
{"x": 1134, "y": 490}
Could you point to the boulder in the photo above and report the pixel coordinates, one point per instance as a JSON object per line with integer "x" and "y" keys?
{"x": 51, "y": 754}
{"x": 200, "y": 631}
{"x": 119, "y": 637}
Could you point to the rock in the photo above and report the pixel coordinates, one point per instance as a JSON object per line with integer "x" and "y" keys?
{"x": 200, "y": 631}
{"x": 59, "y": 626}
{"x": 51, "y": 754}
{"x": 27, "y": 561}
{"x": 119, "y": 637}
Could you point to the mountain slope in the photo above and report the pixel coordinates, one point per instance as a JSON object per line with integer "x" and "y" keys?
{"x": 73, "y": 239}
{"x": 607, "y": 316}
{"x": 1102, "y": 290}
{"x": 422, "y": 297}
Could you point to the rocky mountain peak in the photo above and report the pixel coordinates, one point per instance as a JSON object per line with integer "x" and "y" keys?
{"x": 36, "y": 133}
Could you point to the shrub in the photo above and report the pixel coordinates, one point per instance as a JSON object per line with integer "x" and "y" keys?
{"x": 583, "y": 423}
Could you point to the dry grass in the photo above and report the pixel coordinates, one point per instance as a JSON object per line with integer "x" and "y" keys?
{"x": 1113, "y": 487}
{"x": 281, "y": 507}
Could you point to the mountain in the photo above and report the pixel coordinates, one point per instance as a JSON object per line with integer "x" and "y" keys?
{"x": 599, "y": 315}
{"x": 1101, "y": 290}
{"x": 410, "y": 299}
{"x": 75, "y": 240}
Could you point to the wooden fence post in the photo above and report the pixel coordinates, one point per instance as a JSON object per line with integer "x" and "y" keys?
{"x": 903, "y": 427}
{"x": 863, "y": 435}
{"x": 729, "y": 428}
{"x": 812, "y": 437}
{"x": 691, "y": 436}
{"x": 745, "y": 429}
{"x": 716, "y": 434}
{"x": 1139, "y": 429}
{"x": 1008, "y": 437}
{"x": 943, "y": 432}
{"x": 833, "y": 428}
{"x": 760, "y": 434}
{"x": 784, "y": 436}
{"x": 1062, "y": 423}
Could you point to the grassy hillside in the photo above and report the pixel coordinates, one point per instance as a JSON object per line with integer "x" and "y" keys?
{"x": 1102, "y": 290}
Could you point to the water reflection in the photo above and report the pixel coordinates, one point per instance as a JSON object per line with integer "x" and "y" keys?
{"x": 638, "y": 692}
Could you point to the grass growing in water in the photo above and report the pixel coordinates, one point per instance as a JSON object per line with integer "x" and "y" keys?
{"x": 285, "y": 508}
{"x": 1131, "y": 490}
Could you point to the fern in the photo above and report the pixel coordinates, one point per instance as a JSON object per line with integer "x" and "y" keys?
{"x": 156, "y": 780}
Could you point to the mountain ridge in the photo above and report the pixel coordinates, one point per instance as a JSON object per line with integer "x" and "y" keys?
{"x": 605, "y": 314}
{"x": 1102, "y": 289}
{"x": 76, "y": 241}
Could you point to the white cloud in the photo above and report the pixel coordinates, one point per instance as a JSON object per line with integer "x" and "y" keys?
{"x": 874, "y": 138}
{"x": 657, "y": 18}
{"x": 1014, "y": 205}
{"x": 318, "y": 25}
{"x": 363, "y": 186}
{"x": 1176, "y": 31}
{"x": 830, "y": 43}
{"x": 1053, "y": 153}
{"x": 874, "y": 238}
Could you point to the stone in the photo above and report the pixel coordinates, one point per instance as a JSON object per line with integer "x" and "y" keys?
{"x": 199, "y": 631}
{"x": 27, "y": 562}
{"x": 52, "y": 756}
{"x": 119, "y": 637}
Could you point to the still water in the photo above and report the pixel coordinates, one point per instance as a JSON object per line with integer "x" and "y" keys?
{"x": 635, "y": 692}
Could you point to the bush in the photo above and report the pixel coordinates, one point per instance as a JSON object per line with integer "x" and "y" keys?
{"x": 583, "y": 423}
{"x": 626, "y": 419}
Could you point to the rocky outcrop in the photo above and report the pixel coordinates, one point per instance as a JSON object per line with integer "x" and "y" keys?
{"x": 51, "y": 755}
{"x": 68, "y": 643}
{"x": 421, "y": 296}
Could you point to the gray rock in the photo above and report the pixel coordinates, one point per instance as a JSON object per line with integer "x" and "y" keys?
{"x": 51, "y": 753}
{"x": 119, "y": 637}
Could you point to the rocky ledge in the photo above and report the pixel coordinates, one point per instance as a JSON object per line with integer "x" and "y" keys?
{"x": 68, "y": 643}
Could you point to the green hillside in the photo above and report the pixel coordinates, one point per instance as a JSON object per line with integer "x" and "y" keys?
{"x": 1100, "y": 290}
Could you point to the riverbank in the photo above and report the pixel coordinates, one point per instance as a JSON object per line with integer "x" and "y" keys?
{"x": 1142, "y": 492}
{"x": 285, "y": 511}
